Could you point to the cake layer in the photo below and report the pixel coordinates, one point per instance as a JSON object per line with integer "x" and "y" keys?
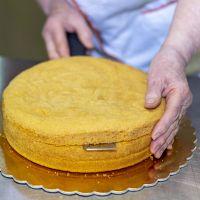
{"x": 75, "y": 158}
{"x": 96, "y": 138}
{"x": 80, "y": 100}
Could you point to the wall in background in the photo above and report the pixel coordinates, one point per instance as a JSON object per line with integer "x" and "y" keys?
{"x": 21, "y": 23}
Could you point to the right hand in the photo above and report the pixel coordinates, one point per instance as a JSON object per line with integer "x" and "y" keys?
{"x": 61, "y": 20}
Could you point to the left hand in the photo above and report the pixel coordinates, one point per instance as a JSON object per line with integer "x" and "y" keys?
{"x": 167, "y": 79}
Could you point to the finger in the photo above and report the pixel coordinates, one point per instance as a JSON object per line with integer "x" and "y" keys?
{"x": 174, "y": 127}
{"x": 166, "y": 138}
{"x": 84, "y": 32}
{"x": 60, "y": 41}
{"x": 50, "y": 46}
{"x": 160, "y": 141}
{"x": 160, "y": 151}
{"x": 170, "y": 129}
{"x": 153, "y": 95}
{"x": 171, "y": 114}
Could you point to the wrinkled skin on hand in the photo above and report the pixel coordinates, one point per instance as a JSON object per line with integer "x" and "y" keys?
{"x": 167, "y": 79}
{"x": 60, "y": 20}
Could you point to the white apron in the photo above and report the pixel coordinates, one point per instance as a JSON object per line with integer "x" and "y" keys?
{"x": 131, "y": 31}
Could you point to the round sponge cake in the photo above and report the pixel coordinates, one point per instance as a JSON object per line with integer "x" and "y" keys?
{"x": 52, "y": 109}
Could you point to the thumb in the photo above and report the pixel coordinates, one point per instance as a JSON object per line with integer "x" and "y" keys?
{"x": 84, "y": 33}
{"x": 154, "y": 93}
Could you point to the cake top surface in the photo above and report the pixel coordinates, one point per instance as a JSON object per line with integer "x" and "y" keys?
{"x": 78, "y": 95}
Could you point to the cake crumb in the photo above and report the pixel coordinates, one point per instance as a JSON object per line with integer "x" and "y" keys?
{"x": 151, "y": 157}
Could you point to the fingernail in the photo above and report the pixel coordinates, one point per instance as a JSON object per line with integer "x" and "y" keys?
{"x": 89, "y": 43}
{"x": 150, "y": 100}
{"x": 157, "y": 155}
{"x": 155, "y": 135}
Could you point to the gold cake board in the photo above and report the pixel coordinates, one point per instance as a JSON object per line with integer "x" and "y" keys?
{"x": 144, "y": 174}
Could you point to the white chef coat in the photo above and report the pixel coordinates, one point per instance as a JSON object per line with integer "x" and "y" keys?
{"x": 131, "y": 31}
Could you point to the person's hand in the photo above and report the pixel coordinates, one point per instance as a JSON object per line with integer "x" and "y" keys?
{"x": 63, "y": 18}
{"x": 167, "y": 79}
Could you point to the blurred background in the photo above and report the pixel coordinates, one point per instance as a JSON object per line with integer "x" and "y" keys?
{"x": 21, "y": 23}
{"x": 20, "y": 32}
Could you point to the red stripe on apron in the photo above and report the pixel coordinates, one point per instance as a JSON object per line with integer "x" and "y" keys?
{"x": 159, "y": 8}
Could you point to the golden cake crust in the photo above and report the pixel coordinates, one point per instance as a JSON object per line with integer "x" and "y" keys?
{"x": 74, "y": 158}
{"x": 69, "y": 102}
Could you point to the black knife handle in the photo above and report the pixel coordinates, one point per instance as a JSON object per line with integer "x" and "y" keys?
{"x": 75, "y": 46}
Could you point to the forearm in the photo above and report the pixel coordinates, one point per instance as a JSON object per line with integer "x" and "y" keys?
{"x": 48, "y": 6}
{"x": 184, "y": 34}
